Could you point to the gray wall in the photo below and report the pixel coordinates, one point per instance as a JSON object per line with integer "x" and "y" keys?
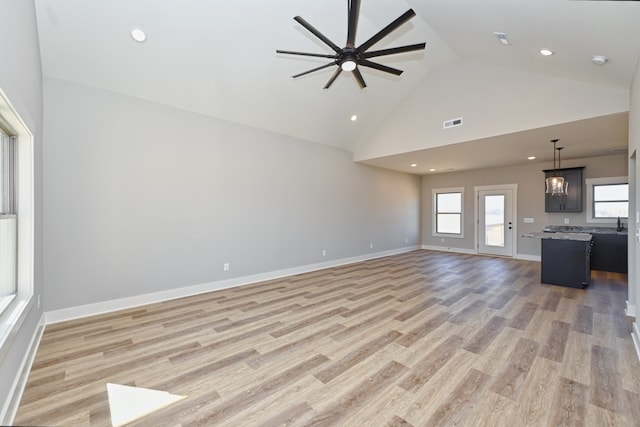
{"x": 530, "y": 180}
{"x": 142, "y": 198}
{"x": 21, "y": 80}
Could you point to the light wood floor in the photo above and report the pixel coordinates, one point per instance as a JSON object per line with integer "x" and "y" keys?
{"x": 423, "y": 339}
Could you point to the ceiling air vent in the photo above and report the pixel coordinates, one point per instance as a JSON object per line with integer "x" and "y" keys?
{"x": 452, "y": 123}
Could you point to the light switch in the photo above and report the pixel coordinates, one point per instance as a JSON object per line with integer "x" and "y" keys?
{"x": 528, "y": 220}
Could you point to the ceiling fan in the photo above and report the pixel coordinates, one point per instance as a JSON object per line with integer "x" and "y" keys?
{"x": 350, "y": 57}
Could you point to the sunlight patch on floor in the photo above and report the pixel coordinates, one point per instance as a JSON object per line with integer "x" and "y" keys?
{"x": 128, "y": 403}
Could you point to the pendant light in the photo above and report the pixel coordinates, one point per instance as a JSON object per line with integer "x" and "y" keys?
{"x": 555, "y": 183}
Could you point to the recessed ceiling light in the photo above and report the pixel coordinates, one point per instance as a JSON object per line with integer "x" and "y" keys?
{"x": 432, "y": 170}
{"x": 138, "y": 35}
{"x": 354, "y": 118}
{"x": 546, "y": 52}
{"x": 599, "y": 59}
{"x": 413, "y": 165}
{"x": 531, "y": 158}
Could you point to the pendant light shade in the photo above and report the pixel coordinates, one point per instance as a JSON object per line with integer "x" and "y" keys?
{"x": 556, "y": 185}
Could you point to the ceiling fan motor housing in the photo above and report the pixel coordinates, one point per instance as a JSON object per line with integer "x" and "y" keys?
{"x": 348, "y": 59}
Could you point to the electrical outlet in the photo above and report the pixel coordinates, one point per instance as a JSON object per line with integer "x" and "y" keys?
{"x": 442, "y": 240}
{"x": 38, "y": 302}
{"x": 566, "y": 220}
{"x": 225, "y": 266}
{"x": 370, "y": 245}
{"x": 406, "y": 240}
{"x": 324, "y": 252}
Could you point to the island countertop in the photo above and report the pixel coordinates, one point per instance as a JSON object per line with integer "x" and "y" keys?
{"x": 583, "y": 237}
{"x": 584, "y": 229}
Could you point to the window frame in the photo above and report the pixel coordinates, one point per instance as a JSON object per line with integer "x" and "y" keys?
{"x": 435, "y": 192}
{"x": 591, "y": 183}
{"x": 14, "y": 314}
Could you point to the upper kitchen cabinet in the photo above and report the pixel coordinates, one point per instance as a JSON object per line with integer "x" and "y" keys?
{"x": 572, "y": 201}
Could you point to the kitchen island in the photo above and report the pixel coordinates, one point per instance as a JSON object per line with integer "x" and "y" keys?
{"x": 565, "y": 259}
{"x": 609, "y": 249}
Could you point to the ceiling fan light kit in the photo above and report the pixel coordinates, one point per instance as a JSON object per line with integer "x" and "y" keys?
{"x": 350, "y": 58}
{"x": 349, "y": 62}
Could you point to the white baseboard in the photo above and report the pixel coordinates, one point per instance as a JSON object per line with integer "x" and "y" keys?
{"x": 630, "y": 310}
{"x": 11, "y": 405}
{"x": 77, "y": 312}
{"x": 449, "y": 249}
{"x": 635, "y": 334}
{"x": 526, "y": 257}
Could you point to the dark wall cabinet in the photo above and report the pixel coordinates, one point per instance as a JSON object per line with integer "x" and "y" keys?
{"x": 572, "y": 201}
{"x": 609, "y": 252}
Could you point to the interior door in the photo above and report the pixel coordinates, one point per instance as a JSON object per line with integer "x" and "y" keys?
{"x": 495, "y": 222}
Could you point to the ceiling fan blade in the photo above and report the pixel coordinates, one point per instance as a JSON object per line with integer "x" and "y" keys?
{"x": 358, "y": 76}
{"x": 387, "y": 30}
{"x": 333, "y": 78}
{"x": 317, "y": 33}
{"x": 394, "y": 50}
{"x": 314, "y": 69}
{"x": 380, "y": 67}
{"x": 354, "y": 12}
{"x": 318, "y": 55}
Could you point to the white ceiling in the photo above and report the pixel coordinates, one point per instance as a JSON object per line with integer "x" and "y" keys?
{"x": 218, "y": 58}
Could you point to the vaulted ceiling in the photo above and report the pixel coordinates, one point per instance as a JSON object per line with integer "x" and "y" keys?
{"x": 218, "y": 58}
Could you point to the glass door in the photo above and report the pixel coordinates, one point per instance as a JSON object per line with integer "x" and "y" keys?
{"x": 495, "y": 222}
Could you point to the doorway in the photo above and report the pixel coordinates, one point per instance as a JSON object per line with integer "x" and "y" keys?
{"x": 496, "y": 226}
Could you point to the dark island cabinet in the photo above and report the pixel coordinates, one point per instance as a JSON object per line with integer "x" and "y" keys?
{"x": 609, "y": 252}
{"x": 566, "y": 262}
{"x": 572, "y": 201}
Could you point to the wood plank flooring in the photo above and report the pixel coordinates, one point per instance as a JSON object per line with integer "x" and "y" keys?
{"x": 418, "y": 339}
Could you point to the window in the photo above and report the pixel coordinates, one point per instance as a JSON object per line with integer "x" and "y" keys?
{"x": 607, "y": 199}
{"x": 16, "y": 222}
{"x": 448, "y": 212}
{"x": 8, "y": 220}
